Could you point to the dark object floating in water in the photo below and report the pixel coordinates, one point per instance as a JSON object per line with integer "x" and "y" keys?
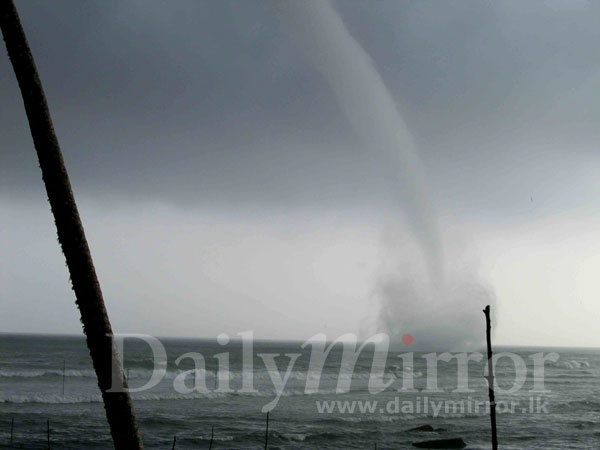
{"x": 422, "y": 428}
{"x": 441, "y": 443}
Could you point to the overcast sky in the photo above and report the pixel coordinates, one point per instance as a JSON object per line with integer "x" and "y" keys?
{"x": 222, "y": 189}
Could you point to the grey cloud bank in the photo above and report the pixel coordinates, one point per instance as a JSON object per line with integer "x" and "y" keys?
{"x": 208, "y": 109}
{"x": 212, "y": 104}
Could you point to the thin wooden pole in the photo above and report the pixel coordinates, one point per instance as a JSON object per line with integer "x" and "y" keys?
{"x": 212, "y": 435}
{"x": 174, "y": 442}
{"x": 12, "y": 425}
{"x": 94, "y": 318}
{"x": 48, "y": 432}
{"x": 267, "y": 433}
{"x": 490, "y": 377}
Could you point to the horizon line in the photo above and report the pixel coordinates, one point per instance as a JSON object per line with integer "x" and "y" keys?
{"x": 283, "y": 340}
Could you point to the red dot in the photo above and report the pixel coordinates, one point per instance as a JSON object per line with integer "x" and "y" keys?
{"x": 407, "y": 339}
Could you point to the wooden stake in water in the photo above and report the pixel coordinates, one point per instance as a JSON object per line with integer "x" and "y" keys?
{"x": 12, "y": 425}
{"x": 267, "y": 433}
{"x": 212, "y": 435}
{"x": 174, "y": 442}
{"x": 63, "y": 390}
{"x": 48, "y": 432}
{"x": 490, "y": 377}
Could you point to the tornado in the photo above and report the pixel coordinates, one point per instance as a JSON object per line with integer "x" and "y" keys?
{"x": 369, "y": 106}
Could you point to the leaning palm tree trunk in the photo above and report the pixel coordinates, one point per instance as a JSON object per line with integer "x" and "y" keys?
{"x": 96, "y": 326}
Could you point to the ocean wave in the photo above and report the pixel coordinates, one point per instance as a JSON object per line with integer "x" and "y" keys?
{"x": 571, "y": 365}
{"x": 149, "y": 396}
{"x": 221, "y": 438}
{"x": 371, "y": 418}
{"x": 586, "y": 424}
{"x": 399, "y": 372}
{"x": 146, "y": 374}
{"x": 51, "y": 398}
{"x": 592, "y": 404}
{"x": 4, "y": 373}
{"x": 290, "y": 437}
{"x": 582, "y": 375}
{"x": 309, "y": 436}
{"x": 324, "y": 436}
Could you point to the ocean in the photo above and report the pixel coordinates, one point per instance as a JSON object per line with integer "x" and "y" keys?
{"x": 564, "y": 416}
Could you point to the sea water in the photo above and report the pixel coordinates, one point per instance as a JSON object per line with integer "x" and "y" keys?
{"x": 566, "y": 415}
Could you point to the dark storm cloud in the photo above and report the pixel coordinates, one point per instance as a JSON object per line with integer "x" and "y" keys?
{"x": 211, "y": 103}
{"x": 218, "y": 177}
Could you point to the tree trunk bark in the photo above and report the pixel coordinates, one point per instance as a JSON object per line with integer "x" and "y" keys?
{"x": 490, "y": 377}
{"x": 96, "y": 325}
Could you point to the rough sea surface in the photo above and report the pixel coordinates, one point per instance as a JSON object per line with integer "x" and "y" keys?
{"x": 31, "y": 384}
